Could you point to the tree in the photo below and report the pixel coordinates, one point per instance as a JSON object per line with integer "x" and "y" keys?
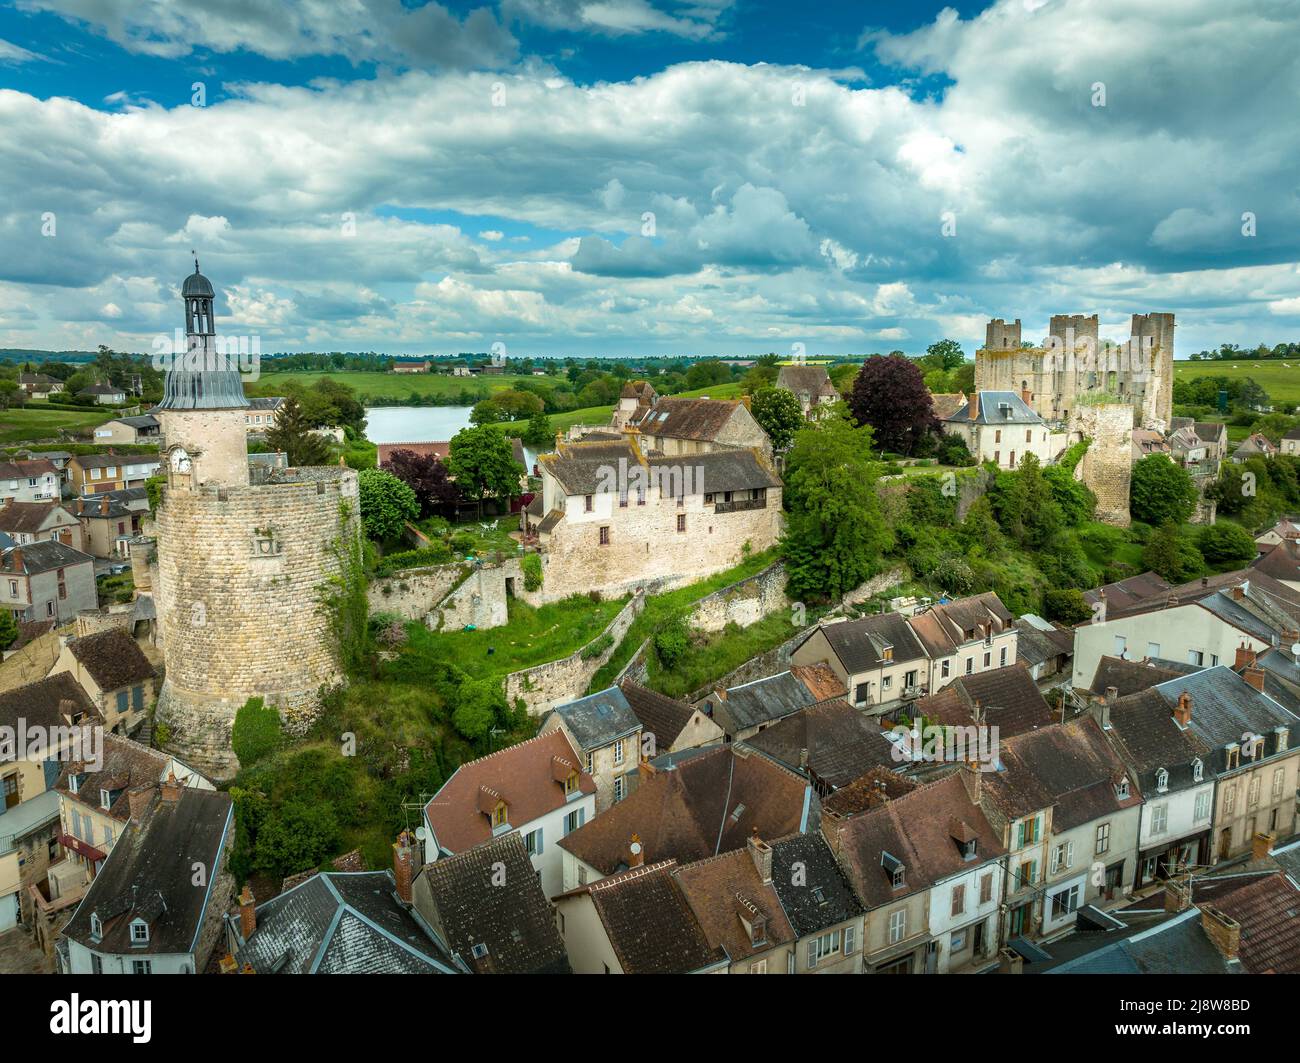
{"x": 890, "y": 396}
{"x": 944, "y": 354}
{"x": 427, "y": 477}
{"x": 1161, "y": 492}
{"x": 487, "y": 412}
{"x": 778, "y": 413}
{"x": 538, "y": 433}
{"x": 296, "y": 837}
{"x": 292, "y": 433}
{"x": 1169, "y": 554}
{"x": 8, "y": 629}
{"x": 1226, "y": 544}
{"x": 257, "y": 731}
{"x": 672, "y": 641}
{"x": 1024, "y": 504}
{"x": 483, "y": 463}
{"x": 834, "y": 534}
{"x": 386, "y": 504}
{"x": 480, "y": 706}
{"x": 1066, "y": 605}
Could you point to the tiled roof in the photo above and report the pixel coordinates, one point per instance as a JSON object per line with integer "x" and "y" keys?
{"x": 759, "y": 702}
{"x": 841, "y": 743}
{"x": 30, "y": 517}
{"x": 588, "y": 468}
{"x": 996, "y": 407}
{"x": 44, "y": 556}
{"x": 523, "y": 775}
{"x": 687, "y": 418}
{"x": 1008, "y": 698}
{"x": 112, "y": 658}
{"x": 820, "y": 679}
{"x": 1034, "y": 645}
{"x": 1128, "y": 592}
{"x": 508, "y": 914}
{"x": 1268, "y": 909}
{"x": 1225, "y": 706}
{"x": 726, "y": 891}
{"x": 46, "y": 702}
{"x": 598, "y": 719}
{"x": 943, "y": 628}
{"x": 21, "y": 470}
{"x": 1282, "y": 562}
{"x": 811, "y": 380}
{"x": 821, "y": 896}
{"x": 861, "y": 645}
{"x": 124, "y": 765}
{"x": 660, "y": 715}
{"x": 1127, "y": 677}
{"x": 1148, "y": 738}
{"x": 867, "y": 791}
{"x": 947, "y": 403}
{"x": 705, "y": 805}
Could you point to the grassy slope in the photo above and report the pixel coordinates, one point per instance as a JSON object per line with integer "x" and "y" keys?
{"x": 36, "y": 423}
{"x": 396, "y": 385}
{"x": 1281, "y": 383}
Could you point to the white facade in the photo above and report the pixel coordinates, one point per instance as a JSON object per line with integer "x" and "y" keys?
{"x": 82, "y": 960}
{"x": 954, "y": 932}
{"x": 1170, "y": 816}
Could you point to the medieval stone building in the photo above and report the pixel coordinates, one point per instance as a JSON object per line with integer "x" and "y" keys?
{"x": 242, "y": 558}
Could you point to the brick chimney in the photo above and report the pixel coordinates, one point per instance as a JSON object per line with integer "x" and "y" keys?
{"x": 1245, "y": 658}
{"x": 973, "y": 407}
{"x": 1099, "y": 710}
{"x": 139, "y": 800}
{"x": 1111, "y": 694}
{"x": 403, "y": 866}
{"x": 803, "y": 760}
{"x": 1255, "y": 677}
{"x": 171, "y": 789}
{"x": 247, "y": 913}
{"x": 1261, "y": 845}
{"x": 635, "y": 852}
{"x": 1178, "y": 894}
{"x": 1183, "y": 710}
{"x": 1223, "y": 931}
{"x": 17, "y": 555}
{"x": 1238, "y": 593}
{"x": 761, "y": 853}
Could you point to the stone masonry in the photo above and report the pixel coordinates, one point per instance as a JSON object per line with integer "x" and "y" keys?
{"x": 1107, "y": 467}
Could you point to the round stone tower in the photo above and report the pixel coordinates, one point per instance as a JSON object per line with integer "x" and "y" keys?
{"x": 241, "y": 559}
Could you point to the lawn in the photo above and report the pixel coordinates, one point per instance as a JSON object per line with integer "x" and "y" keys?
{"x": 377, "y": 387}
{"x": 533, "y": 636}
{"x": 1281, "y": 379}
{"x": 33, "y": 424}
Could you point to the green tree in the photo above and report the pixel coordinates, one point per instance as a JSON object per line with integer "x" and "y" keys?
{"x": 8, "y": 629}
{"x": 1066, "y": 605}
{"x": 1226, "y": 544}
{"x": 483, "y": 463}
{"x": 538, "y": 433}
{"x": 1172, "y": 555}
{"x": 296, "y": 837}
{"x": 480, "y": 706}
{"x": 1161, "y": 492}
{"x": 257, "y": 731}
{"x": 778, "y": 413}
{"x": 944, "y": 354}
{"x": 834, "y": 534}
{"x": 672, "y": 641}
{"x": 386, "y": 504}
{"x": 293, "y": 434}
{"x": 1024, "y": 504}
{"x": 487, "y": 412}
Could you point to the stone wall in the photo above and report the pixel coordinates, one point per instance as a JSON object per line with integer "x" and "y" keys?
{"x": 742, "y": 603}
{"x": 546, "y": 685}
{"x": 415, "y": 593}
{"x": 239, "y": 578}
{"x": 1107, "y": 467}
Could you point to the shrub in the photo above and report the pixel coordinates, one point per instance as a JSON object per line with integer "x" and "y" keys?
{"x": 437, "y": 554}
{"x": 1066, "y": 606}
{"x": 257, "y": 732}
{"x": 671, "y": 642}
{"x": 532, "y": 569}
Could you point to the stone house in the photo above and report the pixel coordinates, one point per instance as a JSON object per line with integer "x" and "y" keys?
{"x": 1291, "y": 442}
{"x": 999, "y": 426}
{"x": 29, "y": 481}
{"x": 261, "y": 413}
{"x": 819, "y": 901}
{"x": 115, "y": 674}
{"x": 129, "y": 430}
{"x": 32, "y": 522}
{"x": 680, "y": 427}
{"x": 104, "y": 394}
{"x": 47, "y": 580}
{"x": 143, "y": 913}
{"x": 607, "y": 734}
{"x": 108, "y": 522}
{"x": 668, "y": 725}
{"x": 97, "y": 474}
{"x": 811, "y": 385}
{"x": 1255, "y": 445}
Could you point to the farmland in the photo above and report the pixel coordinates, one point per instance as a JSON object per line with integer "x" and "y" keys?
{"x": 1281, "y": 379}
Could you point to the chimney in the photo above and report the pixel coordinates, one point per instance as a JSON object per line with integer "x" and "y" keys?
{"x": 139, "y": 800}
{"x": 1183, "y": 710}
{"x": 1099, "y": 709}
{"x": 1111, "y": 694}
{"x": 1238, "y": 593}
{"x": 1245, "y": 657}
{"x": 1255, "y": 677}
{"x": 1223, "y": 931}
{"x": 1261, "y": 845}
{"x": 973, "y": 408}
{"x": 636, "y": 852}
{"x": 1178, "y": 894}
{"x": 761, "y": 853}
{"x": 17, "y": 555}
{"x": 803, "y": 760}
{"x": 171, "y": 789}
{"x": 247, "y": 913}
{"x": 1010, "y": 962}
{"x": 403, "y": 866}
{"x": 103, "y": 506}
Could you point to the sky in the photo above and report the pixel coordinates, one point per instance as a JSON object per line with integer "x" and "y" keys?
{"x": 647, "y": 177}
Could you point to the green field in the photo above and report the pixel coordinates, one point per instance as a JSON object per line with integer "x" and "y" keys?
{"x": 398, "y": 386}
{"x": 33, "y": 423}
{"x": 1281, "y": 379}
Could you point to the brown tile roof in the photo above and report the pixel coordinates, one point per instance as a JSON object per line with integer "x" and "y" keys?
{"x": 820, "y": 679}
{"x": 30, "y": 631}
{"x": 922, "y": 830}
{"x": 1127, "y": 592}
{"x": 726, "y": 892}
{"x": 687, "y": 418}
{"x": 112, "y": 658}
{"x": 438, "y": 449}
{"x": 649, "y": 924}
{"x": 862, "y": 645}
{"x": 588, "y": 467}
{"x": 1127, "y": 677}
{"x": 811, "y": 380}
{"x": 1282, "y": 562}
{"x": 943, "y": 628}
{"x": 947, "y": 403}
{"x": 18, "y": 516}
{"x": 522, "y": 775}
{"x": 660, "y": 715}
{"x": 870, "y": 790}
{"x": 18, "y": 470}
{"x": 46, "y": 702}
{"x": 124, "y": 765}
{"x": 1268, "y": 910}
{"x": 841, "y": 743}
{"x": 1008, "y": 698}
{"x": 705, "y": 805}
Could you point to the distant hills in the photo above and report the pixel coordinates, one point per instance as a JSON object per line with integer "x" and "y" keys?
{"x": 20, "y": 354}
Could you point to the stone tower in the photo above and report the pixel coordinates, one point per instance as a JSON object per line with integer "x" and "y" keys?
{"x": 241, "y": 559}
{"x": 1158, "y": 395}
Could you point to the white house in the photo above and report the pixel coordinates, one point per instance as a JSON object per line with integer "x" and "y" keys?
{"x": 999, "y": 426}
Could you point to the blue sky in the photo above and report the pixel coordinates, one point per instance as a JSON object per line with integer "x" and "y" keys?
{"x": 647, "y": 176}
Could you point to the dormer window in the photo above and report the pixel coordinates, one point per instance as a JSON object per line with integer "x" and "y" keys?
{"x": 139, "y": 932}
{"x": 1162, "y": 781}
{"x": 499, "y": 815}
{"x": 888, "y": 653}
{"x": 1121, "y": 789}
{"x": 1283, "y": 738}
{"x": 968, "y": 849}
{"x": 105, "y": 800}
{"x": 1232, "y": 755}
{"x": 96, "y": 927}
{"x": 571, "y": 784}
{"x": 895, "y": 869}
{"x": 1198, "y": 770}
{"x": 74, "y": 782}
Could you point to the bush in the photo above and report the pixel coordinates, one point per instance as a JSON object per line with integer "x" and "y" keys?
{"x": 532, "y": 569}
{"x": 297, "y": 838}
{"x": 1226, "y": 544}
{"x": 1066, "y": 606}
{"x": 257, "y": 732}
{"x": 437, "y": 554}
{"x": 597, "y": 646}
{"x": 671, "y": 642}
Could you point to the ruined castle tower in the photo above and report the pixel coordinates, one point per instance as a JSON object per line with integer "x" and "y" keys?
{"x": 1158, "y": 395}
{"x": 241, "y": 558}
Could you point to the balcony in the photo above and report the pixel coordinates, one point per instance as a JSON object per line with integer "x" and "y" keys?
{"x": 740, "y": 506}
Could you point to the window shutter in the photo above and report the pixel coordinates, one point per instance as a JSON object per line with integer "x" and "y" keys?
{"x": 1056, "y": 860}
{"x": 849, "y": 942}
{"x": 1069, "y": 854}
{"x": 539, "y": 841}
{"x": 812, "y": 954}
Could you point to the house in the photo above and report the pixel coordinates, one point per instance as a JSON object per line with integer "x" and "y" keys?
{"x": 1255, "y": 445}
{"x": 707, "y": 804}
{"x": 131, "y": 430}
{"x": 47, "y": 580}
{"x": 262, "y": 412}
{"x": 634, "y": 401}
{"x": 334, "y": 922}
{"x": 607, "y": 734}
{"x": 617, "y": 519}
{"x": 145, "y": 913}
{"x": 103, "y": 394}
{"x": 734, "y": 901}
{"x": 946, "y": 403}
{"x": 635, "y": 922}
{"x": 33, "y": 522}
{"x": 29, "y": 481}
{"x": 1201, "y": 623}
{"x": 1198, "y": 445}
{"x": 1007, "y": 699}
{"x": 436, "y": 449}
{"x": 39, "y": 385}
{"x": 999, "y": 426}
{"x": 742, "y": 711}
{"x": 811, "y": 385}
{"x": 818, "y": 900}
{"x": 108, "y": 522}
{"x": 405, "y": 365}
{"x": 1147, "y": 442}
{"x": 1068, "y": 774}
{"x": 490, "y": 911}
{"x": 830, "y": 743}
{"x": 678, "y": 427}
{"x": 28, "y": 844}
{"x": 1282, "y": 562}
{"x": 927, "y": 867}
{"x": 1043, "y": 647}
{"x": 668, "y": 725}
{"x": 1291, "y": 442}
{"x": 1283, "y": 529}
{"x": 115, "y": 674}
{"x": 58, "y": 458}
{"x": 537, "y": 788}
{"x": 97, "y": 474}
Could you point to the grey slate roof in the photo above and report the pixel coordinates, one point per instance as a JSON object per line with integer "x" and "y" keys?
{"x": 761, "y": 701}
{"x": 1174, "y": 946}
{"x": 842, "y": 744}
{"x": 340, "y": 923}
{"x": 46, "y": 556}
{"x": 1225, "y": 706}
{"x": 996, "y": 407}
{"x": 861, "y": 644}
{"x": 824, "y": 896}
{"x": 598, "y": 719}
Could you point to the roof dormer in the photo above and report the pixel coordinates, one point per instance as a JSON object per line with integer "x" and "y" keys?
{"x": 139, "y": 933}
{"x": 895, "y": 869}
{"x": 1162, "y": 781}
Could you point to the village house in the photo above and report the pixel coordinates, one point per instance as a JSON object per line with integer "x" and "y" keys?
{"x": 1255, "y": 445}
{"x": 103, "y": 394}
{"x": 109, "y": 522}
{"x": 1007, "y": 699}
{"x": 143, "y": 913}
{"x": 1283, "y": 529}
{"x": 261, "y": 413}
{"x": 507, "y": 927}
{"x": 33, "y": 522}
{"x": 681, "y": 426}
{"x": 29, "y": 481}
{"x": 1146, "y": 442}
{"x": 668, "y": 725}
{"x": 818, "y": 899}
{"x": 999, "y": 426}
{"x": 58, "y": 458}
{"x": 537, "y": 788}
{"x": 617, "y": 519}
{"x": 607, "y": 734}
{"x": 1282, "y": 563}
{"x": 1202, "y": 443}
{"x": 1290, "y": 444}
{"x": 410, "y": 366}
{"x": 811, "y": 385}
{"x": 928, "y": 868}
{"x": 1043, "y": 647}
{"x": 39, "y": 385}
{"x": 130, "y": 430}
{"x": 97, "y": 474}
{"x": 47, "y": 580}
{"x": 706, "y": 804}
{"x": 115, "y": 674}
{"x": 745, "y": 710}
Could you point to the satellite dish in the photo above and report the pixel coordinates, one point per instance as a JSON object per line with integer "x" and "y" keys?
{"x": 421, "y": 833}
{"x": 636, "y": 848}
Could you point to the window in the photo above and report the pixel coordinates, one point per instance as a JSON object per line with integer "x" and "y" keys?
{"x": 1002, "y": 658}
{"x": 591, "y": 765}
{"x": 533, "y": 842}
{"x": 1252, "y": 794}
{"x": 142, "y": 967}
{"x": 819, "y": 948}
{"x": 945, "y": 669}
{"x": 123, "y": 701}
{"x": 619, "y": 789}
{"x": 886, "y": 682}
{"x": 1028, "y": 873}
{"x": 1229, "y": 798}
{"x": 1279, "y": 777}
{"x": 997, "y": 435}
{"x": 681, "y": 522}
{"x": 862, "y": 693}
{"x": 1202, "y": 806}
{"x": 1028, "y": 832}
{"x": 96, "y": 927}
{"x": 1198, "y": 770}
{"x": 1159, "y": 819}
{"x": 970, "y": 665}
{"x": 958, "y": 899}
{"x": 588, "y": 503}
{"x": 499, "y": 815}
{"x": 986, "y": 888}
{"x": 604, "y": 535}
{"x": 988, "y": 659}
{"x": 1231, "y": 755}
{"x": 618, "y": 752}
{"x": 1062, "y": 857}
{"x": 1153, "y": 649}
{"x": 850, "y": 940}
{"x": 96, "y": 963}
{"x": 757, "y": 967}
{"x": 572, "y": 822}
{"x": 1065, "y": 902}
{"x": 1195, "y": 657}
{"x": 572, "y": 783}
{"x": 1162, "y": 781}
{"x": 105, "y": 799}
{"x": 1103, "y": 839}
{"x": 139, "y": 932}
{"x": 897, "y": 925}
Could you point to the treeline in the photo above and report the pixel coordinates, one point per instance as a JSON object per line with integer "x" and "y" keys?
{"x": 1230, "y": 352}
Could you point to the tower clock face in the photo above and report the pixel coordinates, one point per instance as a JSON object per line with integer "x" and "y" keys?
{"x": 180, "y": 461}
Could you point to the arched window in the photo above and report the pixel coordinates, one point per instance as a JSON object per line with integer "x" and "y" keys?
{"x": 1162, "y": 780}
